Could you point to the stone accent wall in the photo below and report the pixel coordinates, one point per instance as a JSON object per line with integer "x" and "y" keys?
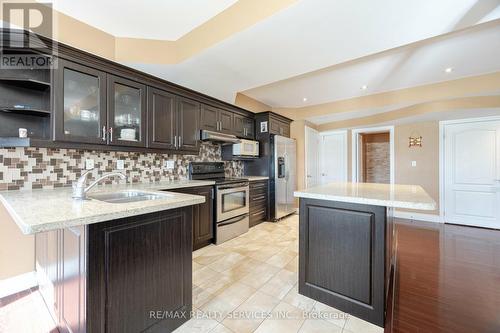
{"x": 34, "y": 168}
{"x": 377, "y": 162}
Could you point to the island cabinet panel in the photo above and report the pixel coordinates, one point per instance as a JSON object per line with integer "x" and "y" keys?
{"x": 140, "y": 275}
{"x": 342, "y": 256}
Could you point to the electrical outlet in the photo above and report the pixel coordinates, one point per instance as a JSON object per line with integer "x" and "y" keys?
{"x": 413, "y": 163}
{"x": 89, "y": 164}
{"x": 169, "y": 164}
{"x": 120, "y": 164}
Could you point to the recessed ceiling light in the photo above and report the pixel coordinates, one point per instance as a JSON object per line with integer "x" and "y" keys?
{"x": 448, "y": 70}
{"x": 304, "y": 99}
{"x": 364, "y": 87}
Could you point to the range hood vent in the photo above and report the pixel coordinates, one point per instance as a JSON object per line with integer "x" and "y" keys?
{"x": 220, "y": 138}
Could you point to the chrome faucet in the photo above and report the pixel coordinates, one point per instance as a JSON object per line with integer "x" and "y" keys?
{"x": 79, "y": 189}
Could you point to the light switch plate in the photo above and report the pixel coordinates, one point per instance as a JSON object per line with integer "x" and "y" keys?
{"x": 120, "y": 164}
{"x": 89, "y": 164}
{"x": 169, "y": 164}
{"x": 413, "y": 163}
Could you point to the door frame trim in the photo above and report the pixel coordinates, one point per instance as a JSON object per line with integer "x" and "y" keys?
{"x": 345, "y": 176}
{"x": 306, "y": 152}
{"x": 355, "y": 149}
{"x": 442, "y": 125}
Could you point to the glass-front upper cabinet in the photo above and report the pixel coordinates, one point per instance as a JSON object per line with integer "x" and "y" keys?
{"x": 80, "y": 104}
{"x": 127, "y": 112}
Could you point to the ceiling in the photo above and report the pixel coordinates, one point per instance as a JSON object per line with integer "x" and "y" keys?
{"x": 149, "y": 19}
{"x": 312, "y": 51}
{"x": 322, "y": 41}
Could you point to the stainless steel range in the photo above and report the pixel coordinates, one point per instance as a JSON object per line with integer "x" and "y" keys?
{"x": 231, "y": 200}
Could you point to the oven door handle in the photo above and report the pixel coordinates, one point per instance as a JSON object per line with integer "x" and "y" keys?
{"x": 233, "y": 186}
{"x": 232, "y": 221}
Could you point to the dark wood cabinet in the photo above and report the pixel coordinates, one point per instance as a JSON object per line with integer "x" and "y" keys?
{"x": 209, "y": 119}
{"x": 110, "y": 276}
{"x": 218, "y": 120}
{"x": 346, "y": 252}
{"x": 188, "y": 128}
{"x": 271, "y": 123}
{"x": 248, "y": 128}
{"x": 258, "y": 202}
{"x": 279, "y": 127}
{"x": 243, "y": 126}
{"x": 226, "y": 120}
{"x": 138, "y": 265}
{"x": 173, "y": 121}
{"x": 203, "y": 216}
{"x": 161, "y": 119}
{"x": 126, "y": 112}
{"x": 91, "y": 103}
{"x": 80, "y": 110}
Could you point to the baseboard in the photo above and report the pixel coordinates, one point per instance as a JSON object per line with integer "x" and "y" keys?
{"x": 418, "y": 216}
{"x": 17, "y": 284}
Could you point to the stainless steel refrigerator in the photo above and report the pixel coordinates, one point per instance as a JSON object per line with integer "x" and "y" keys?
{"x": 285, "y": 154}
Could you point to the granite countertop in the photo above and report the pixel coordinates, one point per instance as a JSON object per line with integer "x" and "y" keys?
{"x": 396, "y": 196}
{"x": 49, "y": 209}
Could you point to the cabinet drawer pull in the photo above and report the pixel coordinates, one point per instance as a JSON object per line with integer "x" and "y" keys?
{"x": 259, "y": 198}
{"x": 259, "y": 212}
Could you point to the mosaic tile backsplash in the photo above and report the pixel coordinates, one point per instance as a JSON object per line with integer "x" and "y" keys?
{"x": 34, "y": 168}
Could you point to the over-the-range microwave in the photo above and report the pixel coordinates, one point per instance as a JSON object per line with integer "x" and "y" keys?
{"x": 247, "y": 148}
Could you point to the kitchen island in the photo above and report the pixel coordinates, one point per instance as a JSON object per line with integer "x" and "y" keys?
{"x": 347, "y": 247}
{"x": 105, "y": 266}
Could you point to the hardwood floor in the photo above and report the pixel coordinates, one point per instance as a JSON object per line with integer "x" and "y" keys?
{"x": 448, "y": 279}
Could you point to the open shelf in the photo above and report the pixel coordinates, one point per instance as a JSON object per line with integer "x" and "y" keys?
{"x": 27, "y": 111}
{"x": 26, "y": 83}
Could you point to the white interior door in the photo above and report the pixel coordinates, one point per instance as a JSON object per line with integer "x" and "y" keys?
{"x": 312, "y": 157}
{"x": 471, "y": 174}
{"x": 333, "y": 157}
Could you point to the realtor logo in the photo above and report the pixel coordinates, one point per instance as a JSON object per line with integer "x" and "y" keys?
{"x": 37, "y": 18}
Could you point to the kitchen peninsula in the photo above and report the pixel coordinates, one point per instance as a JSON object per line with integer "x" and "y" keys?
{"x": 106, "y": 263}
{"x": 347, "y": 246}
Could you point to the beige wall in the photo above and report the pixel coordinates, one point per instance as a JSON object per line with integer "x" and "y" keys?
{"x": 426, "y": 173}
{"x": 250, "y": 104}
{"x": 17, "y": 251}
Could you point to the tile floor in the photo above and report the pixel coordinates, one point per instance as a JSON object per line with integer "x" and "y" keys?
{"x": 249, "y": 284}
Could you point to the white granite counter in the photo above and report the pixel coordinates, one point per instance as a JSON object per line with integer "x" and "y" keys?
{"x": 43, "y": 210}
{"x": 396, "y": 196}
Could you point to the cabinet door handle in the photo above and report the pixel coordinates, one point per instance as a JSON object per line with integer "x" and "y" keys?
{"x": 104, "y": 133}
{"x": 111, "y": 134}
{"x": 175, "y": 141}
{"x": 180, "y": 141}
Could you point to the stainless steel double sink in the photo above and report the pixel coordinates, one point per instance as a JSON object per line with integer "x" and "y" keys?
{"x": 128, "y": 196}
